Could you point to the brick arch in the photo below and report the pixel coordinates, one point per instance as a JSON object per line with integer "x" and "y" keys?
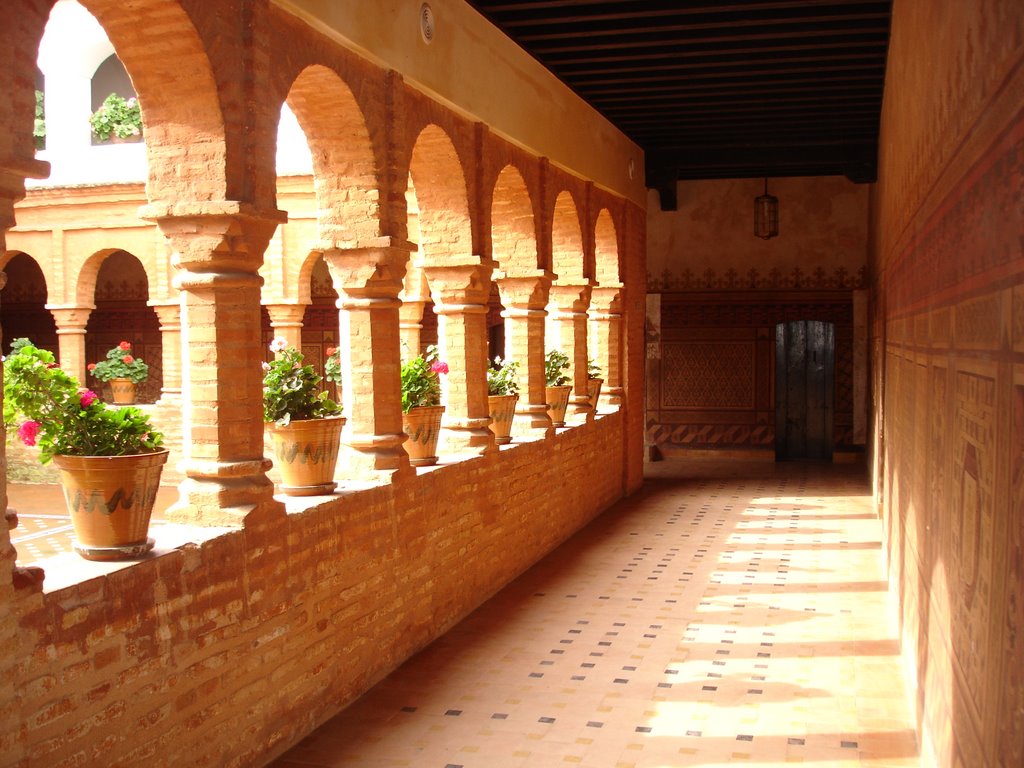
{"x": 606, "y": 250}
{"x": 186, "y": 144}
{"x": 513, "y": 226}
{"x": 84, "y": 289}
{"x": 446, "y": 233}
{"x": 305, "y": 278}
{"x": 567, "y": 255}
{"x": 344, "y": 165}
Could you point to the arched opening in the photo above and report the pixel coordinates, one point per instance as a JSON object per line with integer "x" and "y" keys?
{"x": 513, "y": 246}
{"x": 567, "y": 241}
{"x": 606, "y": 250}
{"x": 320, "y": 321}
{"x": 122, "y": 314}
{"x": 110, "y": 77}
{"x": 440, "y": 183}
{"x": 110, "y": 81}
{"x": 23, "y": 310}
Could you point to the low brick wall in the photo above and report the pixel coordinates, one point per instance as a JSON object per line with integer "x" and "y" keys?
{"x": 228, "y": 652}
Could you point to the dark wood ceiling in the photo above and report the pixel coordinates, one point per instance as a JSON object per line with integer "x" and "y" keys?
{"x": 720, "y": 89}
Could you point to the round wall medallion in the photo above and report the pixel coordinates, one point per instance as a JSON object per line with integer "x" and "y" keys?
{"x": 426, "y": 23}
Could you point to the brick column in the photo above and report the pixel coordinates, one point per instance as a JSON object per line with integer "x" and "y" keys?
{"x": 524, "y": 299}
{"x": 461, "y": 293}
{"x": 71, "y": 322}
{"x": 606, "y": 322}
{"x": 368, "y": 281}
{"x": 286, "y": 321}
{"x": 410, "y": 324}
{"x": 570, "y": 322}
{"x": 415, "y": 295}
{"x": 169, "y": 315}
{"x": 218, "y": 247}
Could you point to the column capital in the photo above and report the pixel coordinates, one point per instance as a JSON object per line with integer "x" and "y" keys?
{"x": 286, "y": 314}
{"x": 371, "y": 271}
{"x": 215, "y": 236}
{"x": 460, "y": 284}
{"x": 13, "y": 172}
{"x": 529, "y": 293}
{"x": 168, "y": 313}
{"x": 607, "y": 298}
{"x": 70, "y": 318}
{"x": 571, "y": 299}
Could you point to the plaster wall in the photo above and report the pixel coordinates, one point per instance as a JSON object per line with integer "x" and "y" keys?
{"x": 947, "y": 347}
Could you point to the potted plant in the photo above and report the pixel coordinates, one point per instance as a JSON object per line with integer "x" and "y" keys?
{"x": 110, "y": 459}
{"x": 303, "y": 423}
{"x": 594, "y": 382}
{"x": 123, "y": 371}
{"x": 117, "y": 118}
{"x": 556, "y": 385}
{"x": 421, "y": 406}
{"x": 502, "y": 395}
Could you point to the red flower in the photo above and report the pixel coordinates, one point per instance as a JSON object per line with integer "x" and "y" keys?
{"x": 331, "y": 350}
{"x": 439, "y": 367}
{"x": 28, "y": 432}
{"x": 91, "y": 367}
{"x": 124, "y": 345}
{"x": 127, "y": 359}
{"x": 87, "y": 397}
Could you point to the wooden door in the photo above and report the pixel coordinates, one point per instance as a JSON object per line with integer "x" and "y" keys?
{"x": 804, "y": 373}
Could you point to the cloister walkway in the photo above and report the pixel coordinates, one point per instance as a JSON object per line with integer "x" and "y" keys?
{"x": 729, "y": 613}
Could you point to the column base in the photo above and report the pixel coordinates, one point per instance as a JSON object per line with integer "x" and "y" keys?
{"x": 374, "y": 458}
{"x": 467, "y": 436}
{"x": 532, "y": 420}
{"x": 581, "y": 410}
{"x": 225, "y": 494}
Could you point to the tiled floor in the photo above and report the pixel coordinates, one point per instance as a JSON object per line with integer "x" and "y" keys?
{"x": 727, "y": 614}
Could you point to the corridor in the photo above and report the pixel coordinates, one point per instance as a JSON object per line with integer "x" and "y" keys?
{"x": 727, "y": 614}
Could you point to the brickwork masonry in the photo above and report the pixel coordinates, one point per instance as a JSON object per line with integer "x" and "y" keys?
{"x": 228, "y": 652}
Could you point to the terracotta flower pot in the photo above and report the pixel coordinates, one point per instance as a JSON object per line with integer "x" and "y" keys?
{"x": 502, "y": 409}
{"x": 306, "y": 453}
{"x": 558, "y": 400}
{"x": 423, "y": 426}
{"x": 122, "y": 391}
{"x": 594, "y": 391}
{"x": 110, "y": 500}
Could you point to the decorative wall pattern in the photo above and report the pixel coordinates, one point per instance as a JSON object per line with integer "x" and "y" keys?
{"x": 708, "y": 375}
{"x": 753, "y": 279}
{"x": 973, "y": 469}
{"x": 947, "y": 283}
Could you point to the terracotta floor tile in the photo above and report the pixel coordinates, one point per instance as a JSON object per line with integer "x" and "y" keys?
{"x": 727, "y": 614}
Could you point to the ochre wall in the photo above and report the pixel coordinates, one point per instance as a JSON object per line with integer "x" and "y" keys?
{"x": 948, "y": 369}
{"x": 711, "y": 367}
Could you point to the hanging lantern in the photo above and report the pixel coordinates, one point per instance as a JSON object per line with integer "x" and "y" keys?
{"x": 766, "y": 214}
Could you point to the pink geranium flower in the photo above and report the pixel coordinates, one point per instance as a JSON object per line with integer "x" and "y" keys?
{"x": 28, "y": 432}
{"x": 439, "y": 366}
{"x": 87, "y": 397}
{"x": 278, "y": 344}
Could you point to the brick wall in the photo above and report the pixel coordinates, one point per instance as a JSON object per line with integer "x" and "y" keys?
{"x": 227, "y": 652}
